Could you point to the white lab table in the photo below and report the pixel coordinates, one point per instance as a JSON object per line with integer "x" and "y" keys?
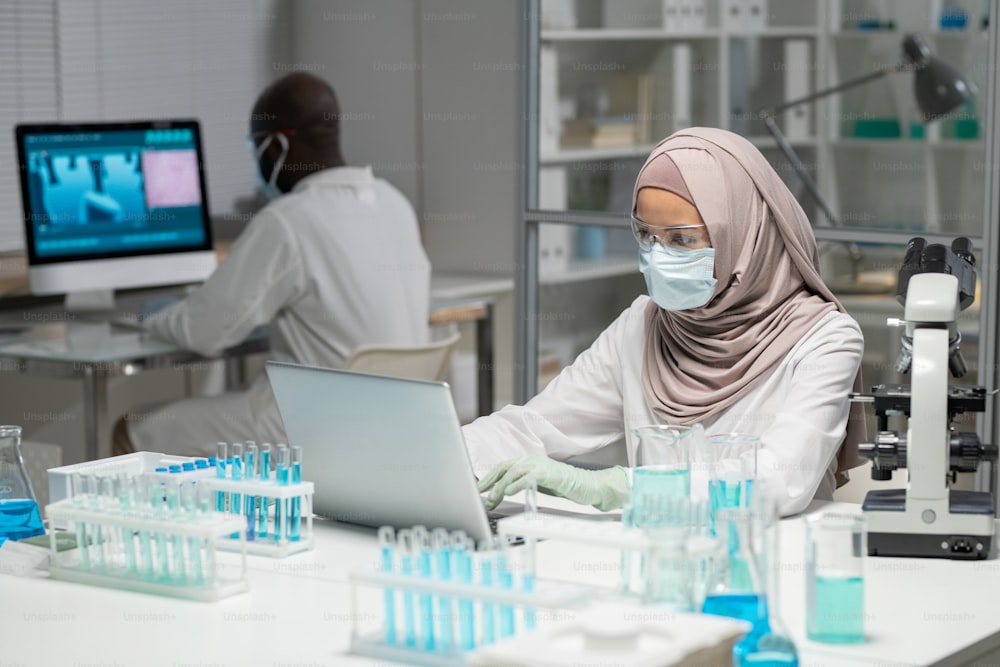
{"x": 298, "y": 611}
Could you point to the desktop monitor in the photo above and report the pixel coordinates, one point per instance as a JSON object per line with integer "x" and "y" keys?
{"x": 113, "y": 205}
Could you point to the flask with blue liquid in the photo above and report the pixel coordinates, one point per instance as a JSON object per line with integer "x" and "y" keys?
{"x": 19, "y": 513}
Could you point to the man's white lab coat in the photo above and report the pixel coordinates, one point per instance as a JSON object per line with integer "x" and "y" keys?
{"x": 799, "y": 410}
{"x": 332, "y": 265}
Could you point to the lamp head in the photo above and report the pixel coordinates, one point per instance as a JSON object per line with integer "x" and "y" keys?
{"x": 938, "y": 87}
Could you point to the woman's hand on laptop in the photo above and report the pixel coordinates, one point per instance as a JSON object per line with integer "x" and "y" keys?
{"x": 606, "y": 489}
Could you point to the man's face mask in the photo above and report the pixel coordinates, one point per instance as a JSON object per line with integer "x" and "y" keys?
{"x": 269, "y": 188}
{"x": 678, "y": 279}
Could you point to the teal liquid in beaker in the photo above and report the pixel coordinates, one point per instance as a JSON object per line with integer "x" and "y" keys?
{"x": 837, "y": 617}
{"x": 20, "y": 518}
{"x": 723, "y": 493}
{"x": 661, "y": 482}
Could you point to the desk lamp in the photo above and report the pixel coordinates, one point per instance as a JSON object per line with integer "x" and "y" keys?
{"x": 937, "y": 87}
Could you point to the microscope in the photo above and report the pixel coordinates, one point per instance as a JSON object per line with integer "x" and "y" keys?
{"x": 928, "y": 518}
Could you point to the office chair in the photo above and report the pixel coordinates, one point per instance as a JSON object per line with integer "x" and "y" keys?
{"x": 419, "y": 362}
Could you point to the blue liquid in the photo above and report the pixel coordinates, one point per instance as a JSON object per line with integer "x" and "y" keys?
{"x": 19, "y": 519}
{"x": 655, "y": 482}
{"x": 729, "y": 494}
{"x": 837, "y": 614}
{"x": 745, "y": 607}
{"x": 769, "y": 659}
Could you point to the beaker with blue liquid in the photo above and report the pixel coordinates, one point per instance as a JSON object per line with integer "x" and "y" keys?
{"x": 19, "y": 513}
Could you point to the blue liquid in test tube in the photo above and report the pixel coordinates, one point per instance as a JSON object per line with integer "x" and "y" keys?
{"x": 462, "y": 547}
{"x": 440, "y": 542}
{"x": 422, "y": 546}
{"x": 236, "y": 474}
{"x": 505, "y": 577}
{"x": 295, "y": 515}
{"x": 220, "y": 473}
{"x": 250, "y": 473}
{"x": 487, "y": 580}
{"x": 386, "y": 540}
{"x": 405, "y": 543}
{"x": 281, "y": 475}
{"x": 265, "y": 502}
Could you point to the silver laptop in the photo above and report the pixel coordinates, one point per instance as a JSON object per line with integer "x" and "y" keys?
{"x": 380, "y": 450}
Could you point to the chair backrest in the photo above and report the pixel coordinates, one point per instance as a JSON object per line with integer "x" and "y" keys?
{"x": 418, "y": 362}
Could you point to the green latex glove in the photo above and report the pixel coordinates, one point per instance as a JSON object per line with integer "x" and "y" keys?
{"x": 606, "y": 489}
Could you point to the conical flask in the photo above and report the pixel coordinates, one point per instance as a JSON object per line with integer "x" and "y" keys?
{"x": 746, "y": 585}
{"x": 19, "y": 514}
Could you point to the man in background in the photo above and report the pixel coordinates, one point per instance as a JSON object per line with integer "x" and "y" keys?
{"x": 332, "y": 262}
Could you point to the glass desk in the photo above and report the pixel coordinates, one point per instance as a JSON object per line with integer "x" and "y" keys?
{"x": 94, "y": 351}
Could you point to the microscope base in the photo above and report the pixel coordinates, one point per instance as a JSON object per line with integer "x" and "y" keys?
{"x": 962, "y": 529}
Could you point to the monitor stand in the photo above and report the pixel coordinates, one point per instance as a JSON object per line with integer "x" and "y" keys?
{"x": 90, "y": 301}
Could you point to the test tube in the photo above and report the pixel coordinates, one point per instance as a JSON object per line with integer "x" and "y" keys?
{"x": 250, "y": 473}
{"x": 295, "y": 516}
{"x": 220, "y": 473}
{"x": 143, "y": 504}
{"x": 236, "y": 474}
{"x": 462, "y": 546}
{"x": 422, "y": 547}
{"x": 486, "y": 578}
{"x": 125, "y": 484}
{"x": 79, "y": 487}
{"x": 528, "y": 572}
{"x": 177, "y": 541}
{"x": 442, "y": 567}
{"x": 281, "y": 474}
{"x": 386, "y": 540}
{"x": 160, "y": 512}
{"x": 96, "y": 538}
{"x": 404, "y": 540}
{"x": 109, "y": 506}
{"x": 189, "y": 494}
{"x": 505, "y": 577}
{"x": 265, "y": 502}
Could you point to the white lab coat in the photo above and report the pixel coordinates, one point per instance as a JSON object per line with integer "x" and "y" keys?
{"x": 334, "y": 264}
{"x": 799, "y": 410}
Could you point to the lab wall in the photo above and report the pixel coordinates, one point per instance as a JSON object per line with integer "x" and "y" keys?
{"x": 430, "y": 93}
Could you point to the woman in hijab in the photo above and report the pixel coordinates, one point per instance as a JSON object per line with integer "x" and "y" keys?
{"x": 739, "y": 333}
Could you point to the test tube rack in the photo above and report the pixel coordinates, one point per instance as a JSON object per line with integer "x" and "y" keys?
{"x": 451, "y": 603}
{"x": 274, "y": 506}
{"x": 171, "y": 556}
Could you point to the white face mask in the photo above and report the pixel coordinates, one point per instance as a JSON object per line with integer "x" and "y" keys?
{"x": 269, "y": 188}
{"x": 678, "y": 279}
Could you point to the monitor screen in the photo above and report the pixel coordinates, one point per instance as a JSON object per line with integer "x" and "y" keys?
{"x": 110, "y": 189}
{"x": 114, "y": 205}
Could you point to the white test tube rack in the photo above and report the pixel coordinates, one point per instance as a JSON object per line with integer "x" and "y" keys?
{"x": 175, "y": 557}
{"x": 546, "y": 595}
{"x": 268, "y": 543}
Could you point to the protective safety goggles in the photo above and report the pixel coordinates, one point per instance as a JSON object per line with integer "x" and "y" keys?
{"x": 678, "y": 236}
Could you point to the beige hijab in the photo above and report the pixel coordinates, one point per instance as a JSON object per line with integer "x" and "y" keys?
{"x": 768, "y": 295}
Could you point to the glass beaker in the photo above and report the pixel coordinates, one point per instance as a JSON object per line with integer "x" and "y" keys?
{"x": 19, "y": 514}
{"x": 835, "y": 602}
{"x": 745, "y": 586}
{"x": 662, "y": 466}
{"x": 732, "y": 459}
